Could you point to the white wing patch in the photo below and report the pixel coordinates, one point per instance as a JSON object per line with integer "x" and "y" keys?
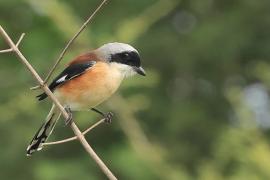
{"x": 62, "y": 79}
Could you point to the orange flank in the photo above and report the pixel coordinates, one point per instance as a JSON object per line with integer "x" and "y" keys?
{"x": 90, "y": 89}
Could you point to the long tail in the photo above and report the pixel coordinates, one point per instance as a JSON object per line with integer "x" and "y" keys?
{"x": 44, "y": 131}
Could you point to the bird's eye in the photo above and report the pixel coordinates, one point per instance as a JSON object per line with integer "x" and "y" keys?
{"x": 126, "y": 55}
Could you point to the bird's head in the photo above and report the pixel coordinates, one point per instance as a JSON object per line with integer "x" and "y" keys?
{"x": 123, "y": 57}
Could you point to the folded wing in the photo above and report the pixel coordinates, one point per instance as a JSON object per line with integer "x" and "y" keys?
{"x": 71, "y": 72}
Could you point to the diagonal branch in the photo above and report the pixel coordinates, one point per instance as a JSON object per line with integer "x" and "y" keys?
{"x": 70, "y": 43}
{"x": 74, "y": 127}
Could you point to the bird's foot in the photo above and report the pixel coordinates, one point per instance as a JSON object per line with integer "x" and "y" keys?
{"x": 108, "y": 117}
{"x": 70, "y": 117}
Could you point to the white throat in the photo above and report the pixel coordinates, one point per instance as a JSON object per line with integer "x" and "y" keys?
{"x": 124, "y": 70}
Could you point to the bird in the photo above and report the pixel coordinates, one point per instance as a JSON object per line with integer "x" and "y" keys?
{"x": 87, "y": 81}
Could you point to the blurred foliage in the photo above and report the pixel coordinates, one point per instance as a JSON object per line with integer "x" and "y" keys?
{"x": 201, "y": 112}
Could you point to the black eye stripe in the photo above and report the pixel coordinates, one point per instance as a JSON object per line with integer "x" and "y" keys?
{"x": 130, "y": 58}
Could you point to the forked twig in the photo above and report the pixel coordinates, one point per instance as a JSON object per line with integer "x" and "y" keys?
{"x": 70, "y": 43}
{"x": 17, "y": 45}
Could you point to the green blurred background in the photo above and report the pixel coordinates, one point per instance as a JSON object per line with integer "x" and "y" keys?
{"x": 202, "y": 112}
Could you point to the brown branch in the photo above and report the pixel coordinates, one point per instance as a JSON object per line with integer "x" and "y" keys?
{"x": 74, "y": 137}
{"x": 70, "y": 43}
{"x": 43, "y": 85}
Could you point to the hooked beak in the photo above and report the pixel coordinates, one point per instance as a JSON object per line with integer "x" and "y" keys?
{"x": 139, "y": 70}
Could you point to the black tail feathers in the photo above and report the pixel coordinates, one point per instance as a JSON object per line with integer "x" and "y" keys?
{"x": 44, "y": 131}
{"x": 41, "y": 136}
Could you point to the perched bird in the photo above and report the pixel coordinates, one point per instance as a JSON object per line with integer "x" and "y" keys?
{"x": 87, "y": 81}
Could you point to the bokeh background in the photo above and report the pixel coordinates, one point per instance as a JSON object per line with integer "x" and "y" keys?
{"x": 202, "y": 112}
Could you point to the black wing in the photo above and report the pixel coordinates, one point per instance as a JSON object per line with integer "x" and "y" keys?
{"x": 69, "y": 73}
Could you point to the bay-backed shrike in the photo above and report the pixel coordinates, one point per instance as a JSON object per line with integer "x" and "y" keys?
{"x": 87, "y": 81}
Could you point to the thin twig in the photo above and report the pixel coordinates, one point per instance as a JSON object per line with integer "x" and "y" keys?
{"x": 5, "y": 51}
{"x": 45, "y": 88}
{"x": 74, "y": 137}
{"x": 19, "y": 41}
{"x": 35, "y": 87}
{"x": 70, "y": 43}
